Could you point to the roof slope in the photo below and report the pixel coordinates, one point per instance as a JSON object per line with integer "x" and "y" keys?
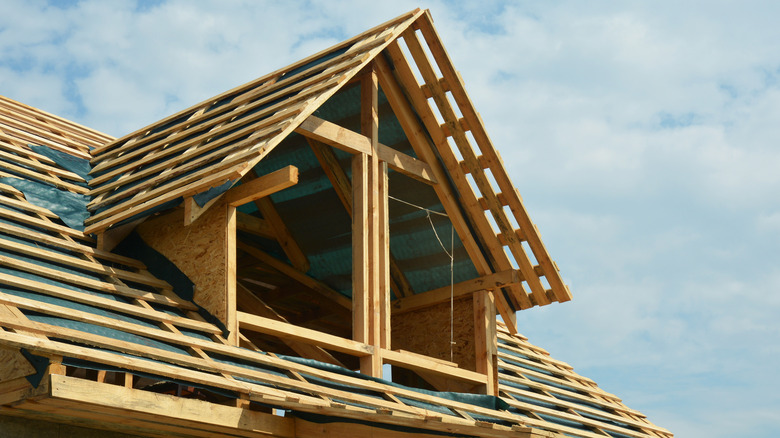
{"x": 64, "y": 302}
{"x": 221, "y": 139}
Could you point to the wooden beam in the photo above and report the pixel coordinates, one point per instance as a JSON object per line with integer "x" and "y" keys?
{"x": 442, "y": 294}
{"x": 370, "y": 241}
{"x": 416, "y": 362}
{"x": 300, "y": 277}
{"x": 485, "y": 340}
{"x": 349, "y": 141}
{"x": 192, "y": 211}
{"x": 249, "y": 302}
{"x": 409, "y": 111}
{"x": 129, "y": 403}
{"x": 283, "y": 330}
{"x": 254, "y": 225}
{"x": 231, "y": 271}
{"x": 262, "y": 186}
{"x": 282, "y": 234}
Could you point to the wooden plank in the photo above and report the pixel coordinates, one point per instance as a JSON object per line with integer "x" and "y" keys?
{"x": 314, "y": 284}
{"x": 491, "y": 156}
{"x": 99, "y": 268}
{"x": 35, "y": 236}
{"x": 249, "y": 302}
{"x": 419, "y": 362}
{"x": 56, "y": 121}
{"x": 442, "y": 294}
{"x": 38, "y": 176}
{"x": 485, "y": 339}
{"x": 187, "y": 145}
{"x": 402, "y": 414}
{"x": 167, "y": 170}
{"x": 25, "y": 205}
{"x": 20, "y": 156}
{"x": 467, "y": 152}
{"x": 369, "y": 127}
{"x": 349, "y": 141}
{"x": 255, "y": 114}
{"x": 176, "y": 410}
{"x": 283, "y": 330}
{"x": 189, "y": 186}
{"x": 262, "y": 186}
{"x": 467, "y": 198}
{"x": 50, "y": 141}
{"x": 423, "y": 148}
{"x": 584, "y": 408}
{"x": 231, "y": 271}
{"x": 85, "y": 282}
{"x": 361, "y": 305}
{"x": 100, "y": 303}
{"x": 269, "y": 79}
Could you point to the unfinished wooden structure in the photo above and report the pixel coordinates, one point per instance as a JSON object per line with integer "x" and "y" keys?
{"x": 260, "y": 264}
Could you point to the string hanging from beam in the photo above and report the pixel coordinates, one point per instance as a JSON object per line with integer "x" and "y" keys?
{"x": 450, "y": 254}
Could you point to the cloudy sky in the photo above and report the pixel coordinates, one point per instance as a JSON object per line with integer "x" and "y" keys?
{"x": 642, "y": 136}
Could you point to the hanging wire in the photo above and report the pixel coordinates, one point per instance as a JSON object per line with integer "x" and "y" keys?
{"x": 451, "y": 255}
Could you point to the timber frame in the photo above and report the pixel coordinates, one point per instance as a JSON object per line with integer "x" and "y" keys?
{"x": 272, "y": 250}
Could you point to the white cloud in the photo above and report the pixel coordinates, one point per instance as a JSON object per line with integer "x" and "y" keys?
{"x": 641, "y": 135}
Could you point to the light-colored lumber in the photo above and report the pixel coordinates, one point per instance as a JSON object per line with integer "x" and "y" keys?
{"x": 419, "y": 362}
{"x": 442, "y": 294}
{"x": 490, "y": 154}
{"x": 423, "y": 148}
{"x": 99, "y": 268}
{"x": 282, "y": 234}
{"x": 249, "y": 302}
{"x": 260, "y": 187}
{"x": 311, "y": 283}
{"x": 467, "y": 198}
{"x": 283, "y": 330}
{"x": 136, "y": 311}
{"x": 485, "y": 339}
{"x": 162, "y": 407}
{"x": 341, "y": 138}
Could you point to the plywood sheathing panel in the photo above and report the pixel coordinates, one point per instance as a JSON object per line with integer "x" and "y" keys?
{"x": 427, "y": 332}
{"x": 202, "y": 251}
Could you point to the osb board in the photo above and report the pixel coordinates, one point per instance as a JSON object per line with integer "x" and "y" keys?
{"x": 427, "y": 331}
{"x": 13, "y": 365}
{"x": 201, "y": 251}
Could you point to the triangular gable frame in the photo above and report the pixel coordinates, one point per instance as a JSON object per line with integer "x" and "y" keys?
{"x": 483, "y": 211}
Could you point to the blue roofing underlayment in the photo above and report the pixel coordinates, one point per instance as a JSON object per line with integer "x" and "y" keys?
{"x": 419, "y": 242}
{"x": 328, "y": 264}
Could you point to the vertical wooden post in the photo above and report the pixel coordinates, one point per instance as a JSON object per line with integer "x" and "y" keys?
{"x": 384, "y": 259}
{"x": 231, "y": 321}
{"x": 360, "y": 286}
{"x": 370, "y": 244}
{"x": 485, "y": 339}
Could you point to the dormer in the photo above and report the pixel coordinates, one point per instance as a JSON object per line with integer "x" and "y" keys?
{"x": 349, "y": 208}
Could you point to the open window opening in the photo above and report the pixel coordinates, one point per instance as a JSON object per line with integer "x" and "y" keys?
{"x": 296, "y": 270}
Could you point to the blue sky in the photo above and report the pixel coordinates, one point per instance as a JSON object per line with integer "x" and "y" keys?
{"x": 642, "y": 136}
